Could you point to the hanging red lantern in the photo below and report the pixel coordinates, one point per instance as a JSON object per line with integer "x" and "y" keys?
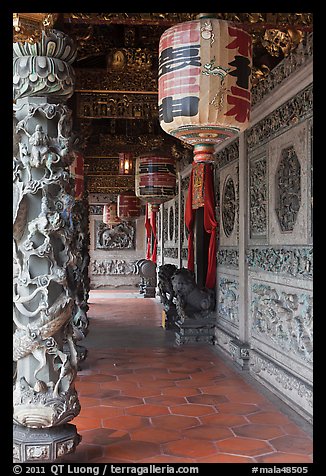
{"x": 110, "y": 216}
{"x": 128, "y": 206}
{"x": 77, "y": 172}
{"x": 204, "y": 83}
{"x": 125, "y": 163}
{"x": 155, "y": 178}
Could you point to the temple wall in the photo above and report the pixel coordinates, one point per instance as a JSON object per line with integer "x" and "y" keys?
{"x": 112, "y": 259}
{"x": 263, "y": 191}
{"x": 263, "y": 185}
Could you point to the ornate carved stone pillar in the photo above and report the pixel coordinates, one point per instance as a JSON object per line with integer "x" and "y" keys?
{"x": 45, "y": 399}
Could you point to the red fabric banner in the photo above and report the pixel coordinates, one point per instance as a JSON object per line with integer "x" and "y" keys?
{"x": 153, "y": 225}
{"x": 210, "y": 225}
{"x": 148, "y": 233}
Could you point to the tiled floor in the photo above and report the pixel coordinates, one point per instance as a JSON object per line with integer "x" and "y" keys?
{"x": 146, "y": 400}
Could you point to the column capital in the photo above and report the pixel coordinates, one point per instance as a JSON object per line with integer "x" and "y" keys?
{"x": 44, "y": 68}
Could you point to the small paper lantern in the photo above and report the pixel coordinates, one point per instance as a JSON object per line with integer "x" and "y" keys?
{"x": 204, "y": 83}
{"x": 155, "y": 178}
{"x": 125, "y": 163}
{"x": 77, "y": 172}
{"x": 110, "y": 216}
{"x": 128, "y": 206}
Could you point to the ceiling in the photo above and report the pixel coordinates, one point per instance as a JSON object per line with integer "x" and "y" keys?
{"x": 115, "y": 100}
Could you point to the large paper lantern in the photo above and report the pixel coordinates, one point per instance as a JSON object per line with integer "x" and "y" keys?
{"x": 110, "y": 216}
{"x": 155, "y": 178}
{"x": 128, "y": 206}
{"x": 204, "y": 83}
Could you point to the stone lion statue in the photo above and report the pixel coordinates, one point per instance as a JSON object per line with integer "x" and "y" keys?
{"x": 191, "y": 301}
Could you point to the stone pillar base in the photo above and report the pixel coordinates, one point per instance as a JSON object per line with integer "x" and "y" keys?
{"x": 240, "y": 353}
{"x": 195, "y": 331}
{"x": 44, "y": 445}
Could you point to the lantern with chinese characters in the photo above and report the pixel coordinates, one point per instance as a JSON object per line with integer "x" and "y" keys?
{"x": 110, "y": 216}
{"x": 77, "y": 172}
{"x": 204, "y": 83}
{"x": 155, "y": 178}
{"x": 128, "y": 206}
{"x": 125, "y": 163}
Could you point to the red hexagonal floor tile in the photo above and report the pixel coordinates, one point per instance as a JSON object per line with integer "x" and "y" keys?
{"x": 193, "y": 448}
{"x": 263, "y": 432}
{"x": 293, "y": 444}
{"x": 155, "y": 435}
{"x": 174, "y": 422}
{"x": 132, "y": 451}
{"x": 192, "y": 410}
{"x": 244, "y": 446}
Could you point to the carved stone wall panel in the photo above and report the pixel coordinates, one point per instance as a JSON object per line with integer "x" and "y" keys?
{"x": 228, "y": 302}
{"x": 118, "y": 237}
{"x": 112, "y": 267}
{"x": 282, "y": 261}
{"x": 295, "y": 391}
{"x": 224, "y": 340}
{"x": 281, "y": 324}
{"x": 170, "y": 228}
{"x": 282, "y": 119}
{"x": 289, "y": 187}
{"x": 184, "y": 194}
{"x": 258, "y": 199}
{"x": 229, "y": 207}
{"x": 228, "y": 257}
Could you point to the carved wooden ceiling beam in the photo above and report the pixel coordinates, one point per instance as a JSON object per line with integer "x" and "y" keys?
{"x": 251, "y": 21}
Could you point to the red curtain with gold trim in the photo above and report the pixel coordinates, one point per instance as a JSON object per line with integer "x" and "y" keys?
{"x": 210, "y": 225}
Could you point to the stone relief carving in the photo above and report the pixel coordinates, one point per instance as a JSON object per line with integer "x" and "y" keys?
{"x": 165, "y": 224}
{"x": 258, "y": 198}
{"x": 228, "y": 257}
{"x": 289, "y": 65}
{"x": 96, "y": 209}
{"x": 170, "y": 253}
{"x": 184, "y": 188}
{"x": 285, "y": 319}
{"x": 228, "y": 154}
{"x": 228, "y": 301}
{"x": 44, "y": 73}
{"x": 296, "y": 262}
{"x": 288, "y": 189}
{"x": 121, "y": 236}
{"x": 39, "y": 311}
{"x": 113, "y": 266}
{"x": 229, "y": 206}
{"x": 270, "y": 371}
{"x": 290, "y": 113}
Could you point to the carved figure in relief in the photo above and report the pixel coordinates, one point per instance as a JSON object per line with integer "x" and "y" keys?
{"x": 191, "y": 301}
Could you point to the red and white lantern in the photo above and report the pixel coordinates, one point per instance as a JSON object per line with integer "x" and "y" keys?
{"x": 155, "y": 178}
{"x": 204, "y": 83}
{"x": 128, "y": 206}
{"x": 110, "y": 216}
